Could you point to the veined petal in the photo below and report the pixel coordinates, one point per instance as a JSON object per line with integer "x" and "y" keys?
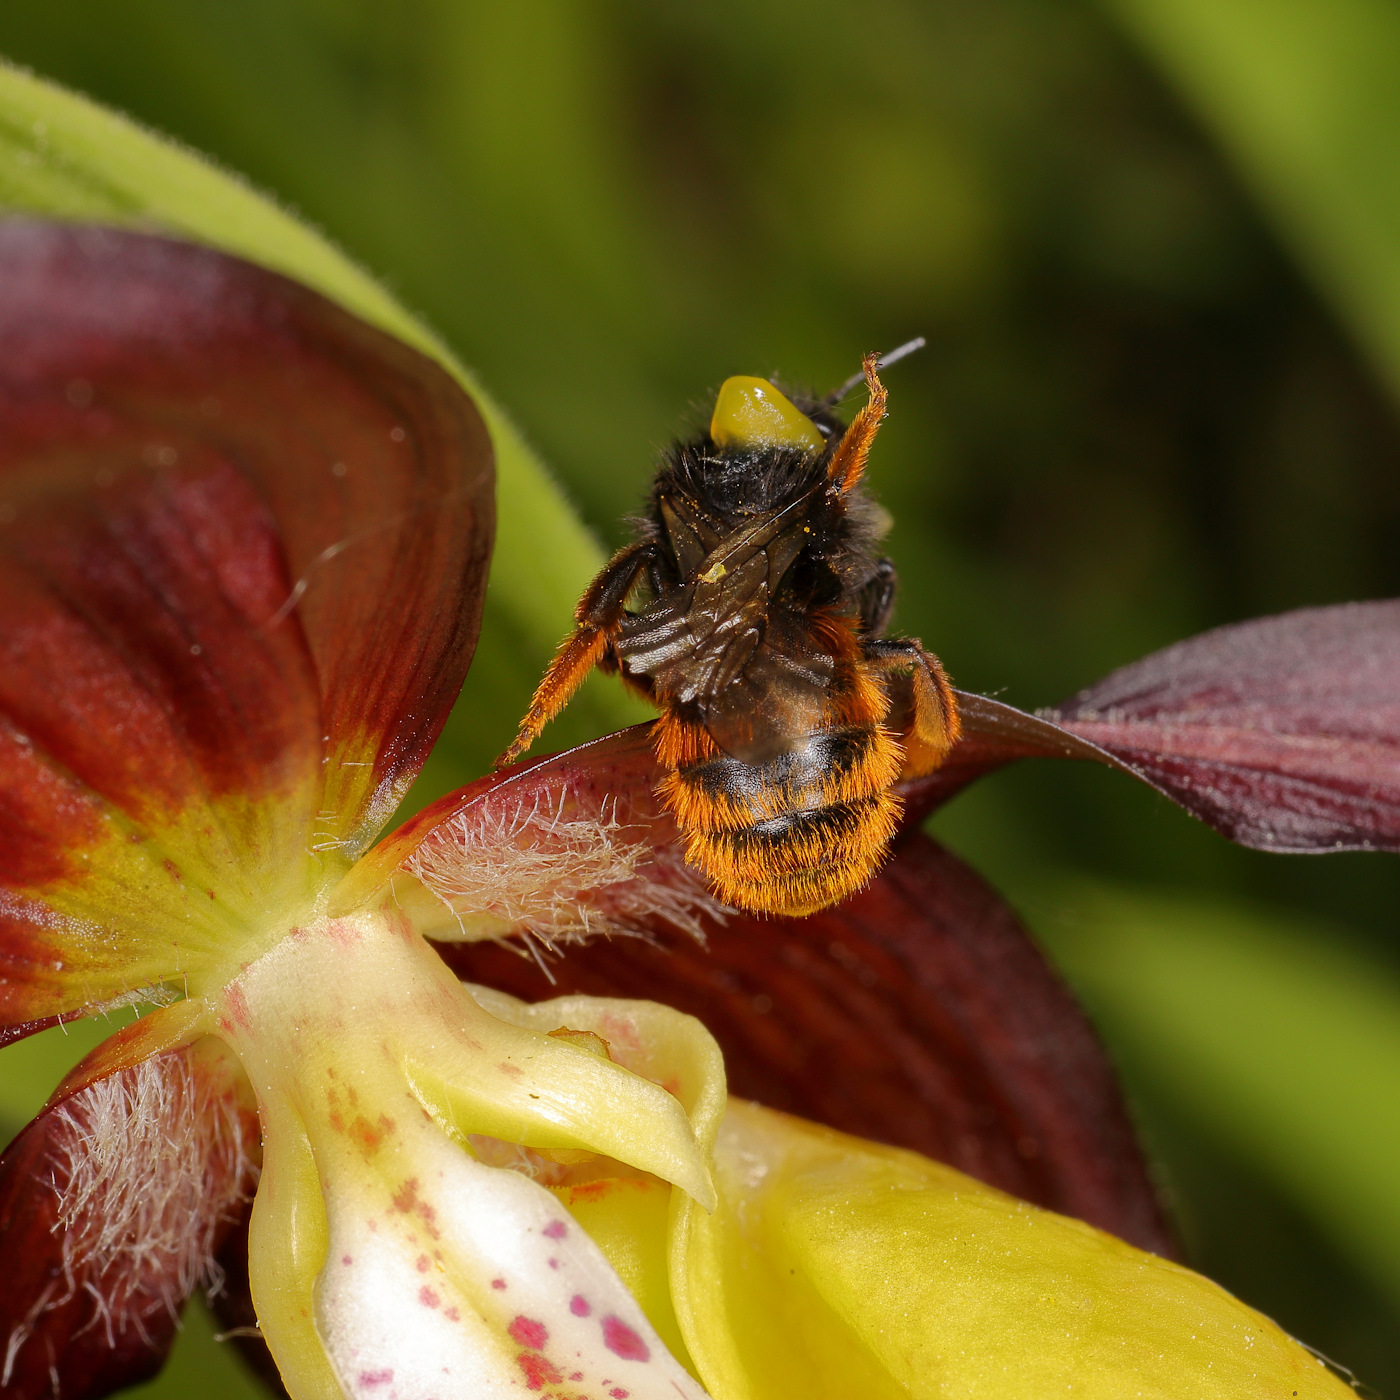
{"x": 1282, "y": 733}
{"x": 836, "y": 1268}
{"x": 242, "y": 544}
{"x": 917, "y": 1013}
{"x": 113, "y": 1203}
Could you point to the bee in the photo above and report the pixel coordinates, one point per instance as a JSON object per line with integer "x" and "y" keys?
{"x": 750, "y": 609}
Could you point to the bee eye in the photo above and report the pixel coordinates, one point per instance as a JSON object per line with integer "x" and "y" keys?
{"x": 750, "y": 412}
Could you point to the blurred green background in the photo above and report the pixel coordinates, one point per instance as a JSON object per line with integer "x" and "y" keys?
{"x": 1155, "y": 247}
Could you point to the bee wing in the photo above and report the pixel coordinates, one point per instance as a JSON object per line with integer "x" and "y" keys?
{"x": 692, "y": 536}
{"x": 733, "y": 591}
{"x": 695, "y": 647}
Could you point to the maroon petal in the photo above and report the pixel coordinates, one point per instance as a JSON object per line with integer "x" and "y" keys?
{"x": 917, "y": 1013}
{"x": 993, "y": 735}
{"x": 1282, "y": 733}
{"x": 243, "y": 539}
{"x": 113, "y": 1202}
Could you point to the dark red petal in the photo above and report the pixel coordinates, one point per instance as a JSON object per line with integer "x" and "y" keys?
{"x": 608, "y": 785}
{"x": 1282, "y": 733}
{"x": 243, "y": 539}
{"x": 917, "y": 1012}
{"x": 111, "y": 1205}
{"x": 993, "y": 734}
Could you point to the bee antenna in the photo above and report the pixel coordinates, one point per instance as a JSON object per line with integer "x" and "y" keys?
{"x": 885, "y": 360}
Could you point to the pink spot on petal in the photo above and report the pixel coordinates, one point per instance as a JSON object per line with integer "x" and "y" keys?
{"x": 576, "y": 1376}
{"x": 556, "y": 1229}
{"x": 452, "y": 1315}
{"x": 423, "y": 1264}
{"x": 579, "y": 1305}
{"x": 377, "y": 1377}
{"x": 498, "y": 1283}
{"x": 622, "y": 1341}
{"x": 528, "y": 1332}
{"x": 553, "y": 1263}
{"x": 428, "y": 1298}
{"x": 618, "y": 1394}
{"x": 346, "y": 1260}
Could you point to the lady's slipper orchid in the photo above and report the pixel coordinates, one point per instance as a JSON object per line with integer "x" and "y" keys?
{"x": 243, "y": 540}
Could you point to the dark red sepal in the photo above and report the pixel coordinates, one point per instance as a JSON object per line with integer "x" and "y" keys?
{"x": 1282, "y": 733}
{"x": 77, "y": 1324}
{"x": 917, "y": 1013}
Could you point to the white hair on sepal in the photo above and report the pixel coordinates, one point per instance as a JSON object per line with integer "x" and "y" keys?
{"x": 146, "y": 1163}
{"x": 551, "y": 868}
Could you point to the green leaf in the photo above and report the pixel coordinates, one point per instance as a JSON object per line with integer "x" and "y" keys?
{"x": 1304, "y": 97}
{"x": 64, "y": 157}
{"x": 1273, "y": 1034}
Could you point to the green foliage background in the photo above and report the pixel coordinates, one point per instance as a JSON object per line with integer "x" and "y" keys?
{"x": 1155, "y": 245}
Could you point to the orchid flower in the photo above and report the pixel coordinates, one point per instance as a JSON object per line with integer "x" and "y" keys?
{"x": 243, "y": 544}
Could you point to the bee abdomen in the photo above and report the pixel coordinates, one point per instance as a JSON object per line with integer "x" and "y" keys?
{"x": 797, "y": 832}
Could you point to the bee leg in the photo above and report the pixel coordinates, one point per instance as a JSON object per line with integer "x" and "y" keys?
{"x": 848, "y": 461}
{"x": 599, "y": 615}
{"x": 927, "y": 711}
{"x": 876, "y": 599}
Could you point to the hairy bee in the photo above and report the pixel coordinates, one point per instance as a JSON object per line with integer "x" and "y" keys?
{"x": 750, "y": 611}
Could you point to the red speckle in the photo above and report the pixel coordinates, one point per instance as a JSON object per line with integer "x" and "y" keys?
{"x": 622, "y": 1341}
{"x": 423, "y": 1264}
{"x": 344, "y": 933}
{"x": 369, "y": 1135}
{"x": 528, "y": 1332}
{"x": 553, "y": 1263}
{"x": 428, "y": 1298}
{"x": 346, "y": 1260}
{"x": 618, "y": 1394}
{"x": 539, "y": 1371}
{"x": 452, "y": 1315}
{"x": 592, "y": 1190}
{"x": 576, "y": 1376}
{"x": 376, "y": 1377}
{"x": 579, "y": 1306}
{"x": 406, "y": 1200}
{"x": 556, "y": 1230}
{"x": 237, "y": 1004}
{"x": 498, "y": 1283}
{"x": 507, "y": 1068}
